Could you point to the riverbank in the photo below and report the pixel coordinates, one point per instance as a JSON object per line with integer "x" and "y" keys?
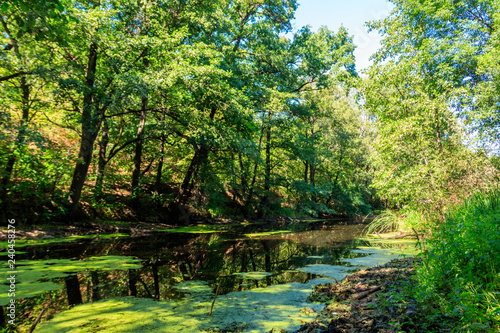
{"x": 376, "y": 299}
{"x": 46, "y": 231}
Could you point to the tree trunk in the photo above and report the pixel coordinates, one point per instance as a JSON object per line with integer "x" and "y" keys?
{"x": 254, "y": 177}
{"x": 267, "y": 260}
{"x": 244, "y": 182}
{"x": 73, "y": 290}
{"x": 312, "y": 169}
{"x": 136, "y": 173}
{"x": 159, "y": 169}
{"x": 312, "y": 175}
{"x": 2, "y": 317}
{"x": 267, "y": 177}
{"x": 306, "y": 171}
{"x": 132, "y": 283}
{"x": 156, "y": 280}
{"x": 101, "y": 164}
{"x": 267, "y": 174}
{"x": 96, "y": 295}
{"x": 90, "y": 124}
{"x": 200, "y": 157}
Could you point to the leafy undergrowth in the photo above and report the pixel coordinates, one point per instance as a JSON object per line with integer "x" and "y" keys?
{"x": 377, "y": 299}
{"x": 460, "y": 275}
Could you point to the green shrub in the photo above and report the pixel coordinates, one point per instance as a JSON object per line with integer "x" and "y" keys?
{"x": 460, "y": 273}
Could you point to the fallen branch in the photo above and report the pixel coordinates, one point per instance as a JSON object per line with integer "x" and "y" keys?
{"x": 368, "y": 292}
{"x": 36, "y": 321}
{"x": 146, "y": 288}
{"x": 216, "y": 293}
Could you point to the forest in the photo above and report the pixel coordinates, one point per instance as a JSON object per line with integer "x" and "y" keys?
{"x": 124, "y": 109}
{"x": 182, "y": 111}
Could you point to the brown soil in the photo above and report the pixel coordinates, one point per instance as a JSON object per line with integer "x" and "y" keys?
{"x": 373, "y": 300}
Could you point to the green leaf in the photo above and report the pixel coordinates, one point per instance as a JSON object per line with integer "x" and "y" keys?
{"x": 23, "y": 6}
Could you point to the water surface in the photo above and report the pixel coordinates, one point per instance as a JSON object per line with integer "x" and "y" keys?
{"x": 167, "y": 282}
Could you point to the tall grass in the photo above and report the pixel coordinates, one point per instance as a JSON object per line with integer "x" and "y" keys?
{"x": 403, "y": 220}
{"x": 460, "y": 272}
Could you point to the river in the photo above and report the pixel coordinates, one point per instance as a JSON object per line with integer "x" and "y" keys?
{"x": 229, "y": 278}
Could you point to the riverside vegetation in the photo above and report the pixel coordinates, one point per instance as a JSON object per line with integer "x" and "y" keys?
{"x": 177, "y": 111}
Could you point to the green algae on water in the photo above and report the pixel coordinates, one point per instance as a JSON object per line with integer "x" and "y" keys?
{"x": 370, "y": 257}
{"x": 267, "y": 233}
{"x": 316, "y": 257}
{"x": 258, "y": 310}
{"x": 194, "y": 229}
{"x": 336, "y": 272}
{"x": 46, "y": 241}
{"x": 378, "y": 256}
{"x": 254, "y": 275}
{"x": 195, "y": 289}
{"x": 33, "y": 276}
{"x": 389, "y": 241}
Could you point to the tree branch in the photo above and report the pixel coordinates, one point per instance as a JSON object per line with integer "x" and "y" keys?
{"x": 12, "y": 76}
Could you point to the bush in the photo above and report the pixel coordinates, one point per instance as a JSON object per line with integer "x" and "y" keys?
{"x": 460, "y": 272}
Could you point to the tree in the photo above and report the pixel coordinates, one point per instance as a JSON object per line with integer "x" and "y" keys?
{"x": 239, "y": 30}
{"x": 451, "y": 42}
{"x": 115, "y": 74}
{"x": 216, "y": 107}
{"x": 23, "y": 25}
{"x": 333, "y": 147}
{"x": 420, "y": 160}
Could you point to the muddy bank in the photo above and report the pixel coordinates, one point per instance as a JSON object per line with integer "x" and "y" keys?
{"x": 376, "y": 299}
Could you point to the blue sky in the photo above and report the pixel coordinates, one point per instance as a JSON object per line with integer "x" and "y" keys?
{"x": 352, "y": 14}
